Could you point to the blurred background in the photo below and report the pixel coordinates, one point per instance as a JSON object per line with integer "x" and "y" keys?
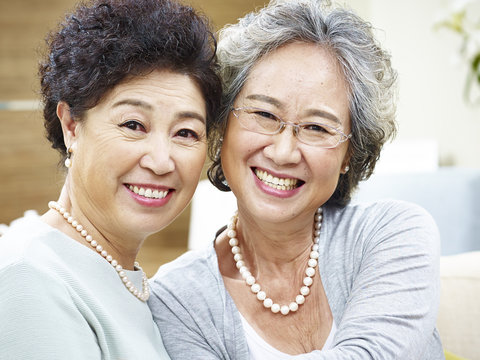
{"x": 438, "y": 125}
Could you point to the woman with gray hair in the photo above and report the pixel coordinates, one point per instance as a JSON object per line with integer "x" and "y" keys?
{"x": 300, "y": 271}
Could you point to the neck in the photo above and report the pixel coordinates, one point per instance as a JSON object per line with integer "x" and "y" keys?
{"x": 125, "y": 251}
{"x": 284, "y": 245}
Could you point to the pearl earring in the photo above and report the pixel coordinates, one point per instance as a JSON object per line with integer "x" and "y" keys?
{"x": 347, "y": 168}
{"x": 68, "y": 160}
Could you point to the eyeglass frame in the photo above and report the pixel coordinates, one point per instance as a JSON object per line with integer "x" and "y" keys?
{"x": 295, "y": 127}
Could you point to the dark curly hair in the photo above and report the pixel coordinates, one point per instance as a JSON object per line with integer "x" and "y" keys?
{"x": 365, "y": 65}
{"x": 104, "y": 42}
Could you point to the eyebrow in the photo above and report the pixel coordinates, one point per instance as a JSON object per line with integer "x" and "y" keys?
{"x": 133, "y": 102}
{"x": 325, "y": 115}
{"x": 147, "y": 106}
{"x": 278, "y": 104}
{"x": 266, "y": 99}
{"x": 192, "y": 115}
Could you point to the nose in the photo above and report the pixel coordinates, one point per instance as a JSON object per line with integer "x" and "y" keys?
{"x": 283, "y": 149}
{"x": 157, "y": 156}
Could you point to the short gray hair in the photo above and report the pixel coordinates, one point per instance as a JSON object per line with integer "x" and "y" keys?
{"x": 365, "y": 65}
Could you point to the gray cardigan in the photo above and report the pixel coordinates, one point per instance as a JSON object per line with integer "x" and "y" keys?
{"x": 380, "y": 268}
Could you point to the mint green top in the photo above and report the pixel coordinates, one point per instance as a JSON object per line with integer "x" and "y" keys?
{"x": 61, "y": 300}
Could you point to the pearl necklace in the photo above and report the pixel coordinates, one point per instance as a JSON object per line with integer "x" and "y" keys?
{"x": 251, "y": 281}
{"x": 141, "y": 295}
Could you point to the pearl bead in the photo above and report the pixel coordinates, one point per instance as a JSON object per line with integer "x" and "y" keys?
{"x": 88, "y": 238}
{"x": 109, "y": 258}
{"x": 310, "y": 271}
{"x": 84, "y": 233}
{"x": 240, "y": 263}
{"x": 275, "y": 308}
{"x": 246, "y": 274}
{"x": 238, "y": 257}
{"x": 79, "y": 227}
{"x": 318, "y": 225}
{"x": 104, "y": 253}
{"x": 314, "y": 255}
{"x": 250, "y": 280}
{"x": 74, "y": 223}
{"x": 315, "y": 247}
{"x": 94, "y": 243}
{"x": 312, "y": 263}
{"x": 235, "y": 249}
{"x": 284, "y": 310}
{"x": 99, "y": 248}
{"x": 318, "y": 217}
{"x": 300, "y": 299}
{"x": 114, "y": 263}
{"x": 293, "y": 306}
{"x": 231, "y": 233}
{"x": 242, "y": 269}
{"x": 233, "y": 242}
{"x": 118, "y": 268}
{"x": 268, "y": 303}
{"x": 261, "y": 295}
{"x": 255, "y": 288}
{"x": 304, "y": 290}
{"x": 317, "y": 232}
{"x": 308, "y": 281}
{"x": 70, "y": 219}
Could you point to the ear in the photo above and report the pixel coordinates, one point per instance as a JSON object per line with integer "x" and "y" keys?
{"x": 69, "y": 126}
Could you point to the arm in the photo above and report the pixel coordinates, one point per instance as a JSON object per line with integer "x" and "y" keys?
{"x": 393, "y": 294}
{"x": 39, "y": 320}
{"x": 194, "y": 314}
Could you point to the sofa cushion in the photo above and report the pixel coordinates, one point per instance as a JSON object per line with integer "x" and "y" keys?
{"x": 459, "y": 313}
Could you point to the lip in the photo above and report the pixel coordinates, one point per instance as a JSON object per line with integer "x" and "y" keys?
{"x": 275, "y": 192}
{"x": 150, "y": 202}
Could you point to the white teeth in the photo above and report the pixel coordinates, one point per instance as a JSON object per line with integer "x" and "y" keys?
{"x": 148, "y": 193}
{"x": 275, "y": 182}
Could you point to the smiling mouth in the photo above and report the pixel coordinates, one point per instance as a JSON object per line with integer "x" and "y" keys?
{"x": 276, "y": 182}
{"x": 148, "y": 193}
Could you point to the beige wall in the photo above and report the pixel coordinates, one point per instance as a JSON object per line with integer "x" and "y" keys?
{"x": 431, "y": 105}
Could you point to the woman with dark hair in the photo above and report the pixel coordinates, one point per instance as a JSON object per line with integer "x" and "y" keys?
{"x": 300, "y": 271}
{"x": 129, "y": 90}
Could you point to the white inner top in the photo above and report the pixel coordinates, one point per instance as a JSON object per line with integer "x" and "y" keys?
{"x": 261, "y": 350}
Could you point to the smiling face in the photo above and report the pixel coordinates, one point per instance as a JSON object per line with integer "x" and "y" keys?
{"x": 138, "y": 154}
{"x": 276, "y": 177}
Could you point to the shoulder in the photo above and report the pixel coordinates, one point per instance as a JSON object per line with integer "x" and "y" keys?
{"x": 381, "y": 210}
{"x": 378, "y": 214}
{"x": 24, "y": 246}
{"x": 193, "y": 272}
{"x": 388, "y": 223}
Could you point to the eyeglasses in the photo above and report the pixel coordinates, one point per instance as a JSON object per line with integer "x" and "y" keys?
{"x": 310, "y": 133}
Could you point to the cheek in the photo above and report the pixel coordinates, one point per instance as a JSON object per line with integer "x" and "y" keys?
{"x": 327, "y": 166}
{"x": 190, "y": 161}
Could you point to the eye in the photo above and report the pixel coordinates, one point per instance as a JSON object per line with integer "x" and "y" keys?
{"x": 133, "y": 125}
{"x": 320, "y": 128}
{"x": 264, "y": 114}
{"x": 188, "y": 134}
